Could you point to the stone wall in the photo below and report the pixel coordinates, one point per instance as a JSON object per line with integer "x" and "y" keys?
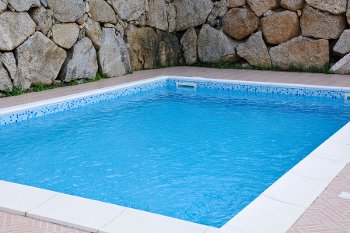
{"x": 43, "y": 41}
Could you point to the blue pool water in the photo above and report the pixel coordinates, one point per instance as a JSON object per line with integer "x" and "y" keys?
{"x": 200, "y": 156}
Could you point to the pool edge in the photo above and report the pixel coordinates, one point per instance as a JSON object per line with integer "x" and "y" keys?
{"x": 240, "y": 223}
{"x": 276, "y": 209}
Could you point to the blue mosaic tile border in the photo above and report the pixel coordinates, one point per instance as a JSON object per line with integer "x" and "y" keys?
{"x": 171, "y": 81}
{"x": 296, "y": 91}
{"x": 62, "y": 106}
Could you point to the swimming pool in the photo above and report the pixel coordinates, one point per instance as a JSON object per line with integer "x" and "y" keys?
{"x": 199, "y": 153}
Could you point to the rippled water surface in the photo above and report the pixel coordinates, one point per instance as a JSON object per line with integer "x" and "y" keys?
{"x": 200, "y": 156}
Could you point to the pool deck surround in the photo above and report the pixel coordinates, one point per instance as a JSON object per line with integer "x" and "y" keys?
{"x": 276, "y": 210}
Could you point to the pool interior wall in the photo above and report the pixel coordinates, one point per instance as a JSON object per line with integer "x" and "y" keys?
{"x": 199, "y": 155}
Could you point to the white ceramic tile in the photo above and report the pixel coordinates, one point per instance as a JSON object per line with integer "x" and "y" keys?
{"x": 319, "y": 168}
{"x": 333, "y": 150}
{"x": 19, "y": 199}
{"x": 77, "y": 212}
{"x": 265, "y": 215}
{"x": 136, "y": 221}
{"x": 213, "y": 230}
{"x": 218, "y": 230}
{"x": 342, "y": 136}
{"x": 347, "y": 126}
{"x": 296, "y": 190}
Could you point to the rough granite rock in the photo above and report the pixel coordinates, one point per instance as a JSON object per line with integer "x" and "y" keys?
{"x": 23, "y": 5}
{"x": 3, "y": 5}
{"x": 220, "y": 9}
{"x": 39, "y": 60}
{"x": 333, "y": 6}
{"x": 157, "y": 14}
{"x": 94, "y": 32}
{"x": 102, "y": 12}
{"x": 21, "y": 81}
{"x": 169, "y": 49}
{"x": 82, "y": 20}
{"x": 292, "y": 5}
{"x": 113, "y": 56}
{"x": 215, "y": 46}
{"x": 5, "y": 81}
{"x": 171, "y": 17}
{"x": 129, "y": 10}
{"x": 240, "y": 23}
{"x": 348, "y": 12}
{"x": 318, "y": 24}
{"x": 342, "y": 46}
{"x": 342, "y": 66}
{"x": 65, "y": 35}
{"x": 189, "y": 46}
{"x": 15, "y": 28}
{"x": 261, "y": 6}
{"x": 280, "y": 27}
{"x": 146, "y": 26}
{"x": 235, "y": 3}
{"x": 81, "y": 62}
{"x": 255, "y": 51}
{"x": 82, "y": 34}
{"x": 302, "y": 52}
{"x": 143, "y": 50}
{"x": 152, "y": 49}
{"x": 191, "y": 13}
{"x": 43, "y": 19}
{"x": 9, "y": 62}
{"x": 67, "y": 11}
{"x": 44, "y": 3}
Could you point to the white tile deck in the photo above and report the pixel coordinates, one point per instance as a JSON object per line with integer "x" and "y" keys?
{"x": 136, "y": 221}
{"x": 347, "y": 126}
{"x": 319, "y": 168}
{"x": 264, "y": 215}
{"x": 342, "y": 136}
{"x": 19, "y": 199}
{"x": 334, "y": 151}
{"x": 296, "y": 190}
{"x": 217, "y": 230}
{"x": 81, "y": 213}
{"x": 220, "y": 230}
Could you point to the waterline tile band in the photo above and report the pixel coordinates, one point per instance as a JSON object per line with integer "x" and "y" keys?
{"x": 41, "y": 108}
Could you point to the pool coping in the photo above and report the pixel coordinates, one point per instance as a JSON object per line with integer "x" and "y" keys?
{"x": 275, "y": 210}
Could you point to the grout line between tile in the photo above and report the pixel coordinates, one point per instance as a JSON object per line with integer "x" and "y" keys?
{"x": 334, "y": 160}
{"x": 313, "y": 178}
{"x": 49, "y": 199}
{"x": 121, "y": 213}
{"x": 333, "y": 140}
{"x": 284, "y": 202}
